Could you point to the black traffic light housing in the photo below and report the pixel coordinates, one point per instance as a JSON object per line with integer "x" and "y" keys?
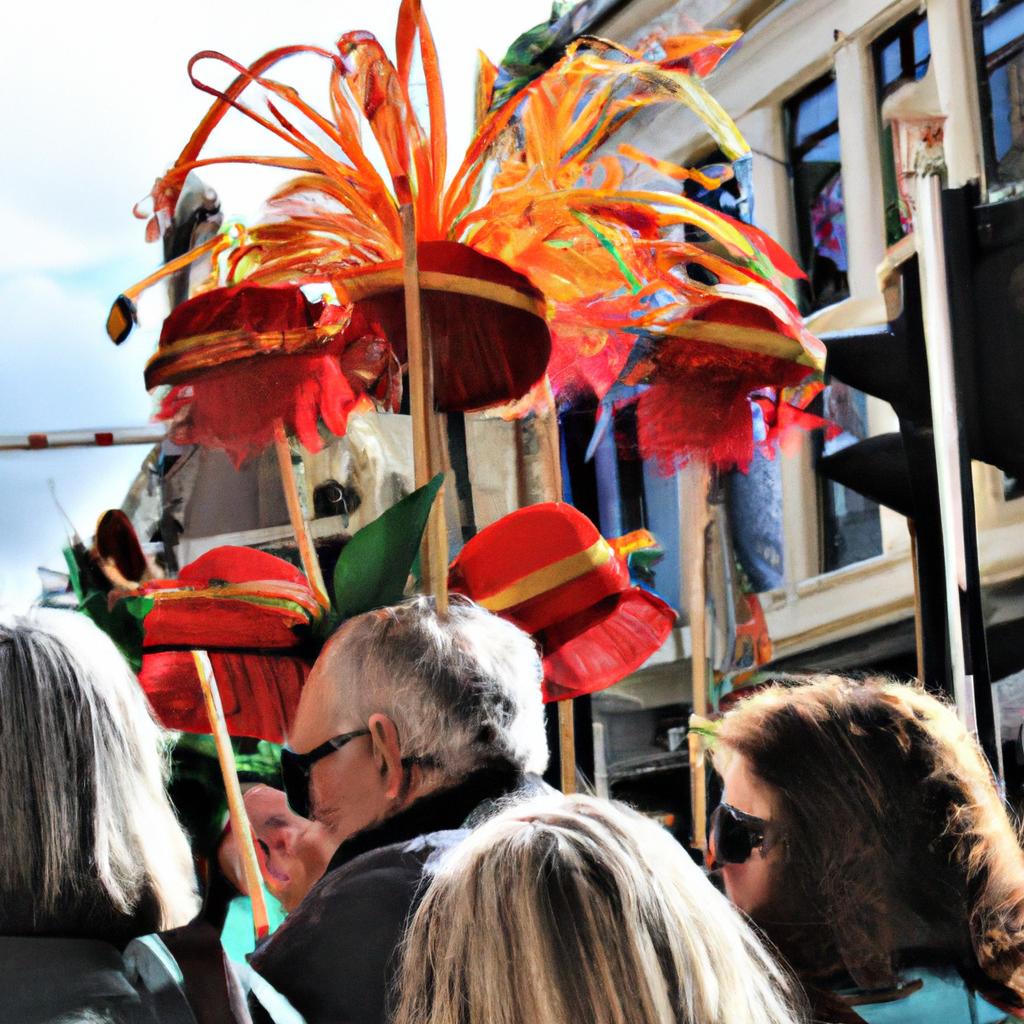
{"x": 984, "y": 252}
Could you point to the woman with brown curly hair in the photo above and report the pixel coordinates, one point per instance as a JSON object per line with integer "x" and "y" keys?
{"x": 861, "y": 829}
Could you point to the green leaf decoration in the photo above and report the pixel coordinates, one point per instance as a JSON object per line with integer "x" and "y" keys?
{"x": 73, "y": 573}
{"x": 123, "y": 622}
{"x": 374, "y": 565}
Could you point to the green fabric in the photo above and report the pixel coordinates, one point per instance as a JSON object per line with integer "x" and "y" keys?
{"x": 374, "y": 565}
{"x": 197, "y": 788}
{"x": 122, "y": 623}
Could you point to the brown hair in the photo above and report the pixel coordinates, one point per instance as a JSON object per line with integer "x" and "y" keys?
{"x": 894, "y": 837}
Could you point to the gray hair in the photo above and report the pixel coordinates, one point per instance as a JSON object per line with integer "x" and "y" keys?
{"x": 568, "y": 909}
{"x": 91, "y": 843}
{"x": 464, "y": 690}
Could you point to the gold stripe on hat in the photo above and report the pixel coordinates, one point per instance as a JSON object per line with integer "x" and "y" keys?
{"x": 365, "y": 286}
{"x": 536, "y": 583}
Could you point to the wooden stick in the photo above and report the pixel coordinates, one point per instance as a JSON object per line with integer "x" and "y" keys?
{"x": 307, "y": 551}
{"x": 236, "y": 806}
{"x": 567, "y": 745}
{"x": 695, "y": 519}
{"x": 427, "y": 436}
{"x": 546, "y": 426}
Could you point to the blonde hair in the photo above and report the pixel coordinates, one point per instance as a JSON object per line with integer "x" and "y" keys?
{"x": 91, "y": 843}
{"x": 570, "y": 909}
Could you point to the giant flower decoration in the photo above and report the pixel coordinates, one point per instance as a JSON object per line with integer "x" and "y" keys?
{"x": 533, "y": 255}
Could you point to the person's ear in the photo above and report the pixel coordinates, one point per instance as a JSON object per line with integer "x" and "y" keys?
{"x": 387, "y": 754}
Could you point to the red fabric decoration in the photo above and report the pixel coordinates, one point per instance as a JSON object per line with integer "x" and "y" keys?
{"x": 598, "y": 648}
{"x": 255, "y": 308}
{"x": 233, "y": 597}
{"x": 259, "y": 692}
{"x": 470, "y": 317}
{"x": 698, "y": 404}
{"x": 590, "y": 350}
{"x": 547, "y": 569}
{"x": 235, "y": 408}
{"x": 234, "y": 403}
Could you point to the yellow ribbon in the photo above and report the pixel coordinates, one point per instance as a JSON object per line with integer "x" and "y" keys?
{"x": 551, "y": 576}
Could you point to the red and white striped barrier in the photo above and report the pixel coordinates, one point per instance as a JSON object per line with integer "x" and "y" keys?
{"x": 150, "y": 434}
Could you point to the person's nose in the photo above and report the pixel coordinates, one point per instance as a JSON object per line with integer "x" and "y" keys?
{"x": 284, "y": 838}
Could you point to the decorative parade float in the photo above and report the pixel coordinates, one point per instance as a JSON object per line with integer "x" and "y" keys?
{"x": 551, "y": 265}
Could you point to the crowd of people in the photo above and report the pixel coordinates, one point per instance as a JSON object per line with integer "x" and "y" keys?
{"x": 862, "y": 866}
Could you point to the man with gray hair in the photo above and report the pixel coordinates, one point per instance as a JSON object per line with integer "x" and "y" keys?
{"x": 411, "y": 728}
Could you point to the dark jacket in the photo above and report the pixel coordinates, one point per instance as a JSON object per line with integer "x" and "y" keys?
{"x": 44, "y": 979}
{"x": 333, "y": 957}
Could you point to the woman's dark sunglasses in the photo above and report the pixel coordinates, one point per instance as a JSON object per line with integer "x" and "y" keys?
{"x": 295, "y": 769}
{"x": 736, "y": 835}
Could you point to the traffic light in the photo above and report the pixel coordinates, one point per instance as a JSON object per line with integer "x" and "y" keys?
{"x": 898, "y": 470}
{"x": 984, "y": 257}
{"x": 985, "y": 261}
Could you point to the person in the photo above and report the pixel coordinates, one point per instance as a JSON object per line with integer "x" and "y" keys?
{"x": 93, "y": 856}
{"x": 410, "y": 728}
{"x": 293, "y": 852}
{"x": 861, "y": 829}
{"x": 567, "y": 909}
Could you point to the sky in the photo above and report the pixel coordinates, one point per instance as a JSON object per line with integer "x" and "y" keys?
{"x": 96, "y": 104}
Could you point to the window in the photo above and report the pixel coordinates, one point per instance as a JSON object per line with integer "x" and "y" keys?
{"x": 1000, "y": 39}
{"x": 851, "y": 523}
{"x": 813, "y": 129}
{"x": 900, "y": 55}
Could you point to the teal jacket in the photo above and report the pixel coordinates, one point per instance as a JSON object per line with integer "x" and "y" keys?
{"x": 942, "y": 999}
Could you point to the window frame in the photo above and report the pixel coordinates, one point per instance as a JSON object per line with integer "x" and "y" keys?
{"x": 983, "y": 72}
{"x": 795, "y": 154}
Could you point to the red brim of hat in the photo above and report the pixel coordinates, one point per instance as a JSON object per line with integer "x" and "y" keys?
{"x": 601, "y": 646}
{"x": 259, "y": 692}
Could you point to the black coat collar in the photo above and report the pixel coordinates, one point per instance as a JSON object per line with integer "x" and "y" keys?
{"x": 436, "y": 812}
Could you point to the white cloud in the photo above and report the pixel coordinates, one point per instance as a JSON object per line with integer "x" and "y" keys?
{"x": 97, "y": 104}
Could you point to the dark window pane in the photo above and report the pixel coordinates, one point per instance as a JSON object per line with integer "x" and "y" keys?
{"x": 922, "y": 48}
{"x": 890, "y": 63}
{"x": 815, "y": 113}
{"x": 826, "y": 151}
{"x": 813, "y": 118}
{"x": 1003, "y": 41}
{"x": 1003, "y": 30}
{"x": 852, "y": 523}
{"x": 901, "y": 55}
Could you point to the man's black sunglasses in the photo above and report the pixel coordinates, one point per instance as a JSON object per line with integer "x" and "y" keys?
{"x": 295, "y": 769}
{"x": 735, "y": 835}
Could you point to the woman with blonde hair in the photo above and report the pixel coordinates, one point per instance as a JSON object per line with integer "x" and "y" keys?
{"x": 862, "y": 830}
{"x": 569, "y": 909}
{"x": 92, "y": 855}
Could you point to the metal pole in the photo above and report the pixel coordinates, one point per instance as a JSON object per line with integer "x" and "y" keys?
{"x": 939, "y": 350}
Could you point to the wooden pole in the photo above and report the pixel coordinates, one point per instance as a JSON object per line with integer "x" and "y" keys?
{"x": 567, "y": 744}
{"x": 236, "y": 805}
{"x": 546, "y": 425}
{"x": 694, "y": 513}
{"x": 303, "y": 538}
{"x": 427, "y": 433}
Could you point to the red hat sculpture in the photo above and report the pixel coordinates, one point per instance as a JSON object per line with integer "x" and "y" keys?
{"x": 244, "y": 358}
{"x": 248, "y": 610}
{"x": 548, "y": 569}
